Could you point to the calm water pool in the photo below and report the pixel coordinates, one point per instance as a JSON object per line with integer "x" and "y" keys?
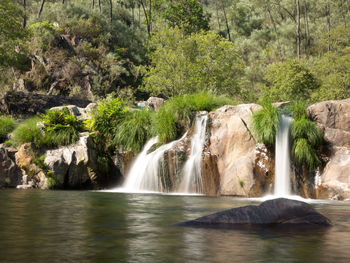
{"x": 77, "y": 226}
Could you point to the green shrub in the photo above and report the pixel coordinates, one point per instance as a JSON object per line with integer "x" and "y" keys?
{"x": 173, "y": 117}
{"x": 304, "y": 128}
{"x": 298, "y": 109}
{"x": 265, "y": 123}
{"x": 304, "y": 153}
{"x": 134, "y": 131}
{"x": 307, "y": 138}
{"x": 110, "y": 112}
{"x": 61, "y": 128}
{"x": 7, "y": 125}
{"x": 27, "y": 131}
{"x": 290, "y": 80}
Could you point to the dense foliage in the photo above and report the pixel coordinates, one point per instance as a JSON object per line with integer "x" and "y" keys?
{"x": 94, "y": 48}
{"x": 183, "y": 65}
{"x": 55, "y": 128}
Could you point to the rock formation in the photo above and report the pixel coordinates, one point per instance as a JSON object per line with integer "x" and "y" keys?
{"x": 27, "y": 104}
{"x": 333, "y": 117}
{"x": 274, "y": 212}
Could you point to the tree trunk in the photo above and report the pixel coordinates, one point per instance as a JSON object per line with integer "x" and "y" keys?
{"x": 277, "y": 36}
{"x": 62, "y": 1}
{"x": 41, "y": 8}
{"x": 329, "y": 26}
{"x": 93, "y": 4}
{"x": 226, "y": 22}
{"x": 99, "y": 6}
{"x": 307, "y": 28}
{"x": 24, "y": 13}
{"x": 150, "y": 16}
{"x": 111, "y": 11}
{"x": 217, "y": 15}
{"x": 298, "y": 28}
{"x": 147, "y": 17}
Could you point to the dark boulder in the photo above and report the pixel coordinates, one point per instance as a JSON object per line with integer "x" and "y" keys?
{"x": 274, "y": 212}
{"x": 27, "y": 104}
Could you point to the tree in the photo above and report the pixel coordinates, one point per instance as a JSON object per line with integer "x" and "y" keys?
{"x": 333, "y": 70}
{"x": 187, "y": 15}
{"x": 290, "y": 80}
{"x": 11, "y": 31}
{"x": 187, "y": 64}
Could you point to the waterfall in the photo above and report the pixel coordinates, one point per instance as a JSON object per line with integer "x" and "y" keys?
{"x": 282, "y": 160}
{"x": 147, "y": 167}
{"x": 192, "y": 181}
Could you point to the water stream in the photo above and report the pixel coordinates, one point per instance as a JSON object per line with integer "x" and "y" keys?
{"x": 192, "y": 180}
{"x": 147, "y": 167}
{"x": 282, "y": 159}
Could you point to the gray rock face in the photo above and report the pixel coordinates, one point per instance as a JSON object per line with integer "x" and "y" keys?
{"x": 334, "y": 117}
{"x": 10, "y": 173}
{"x": 279, "y": 211}
{"x": 73, "y": 166}
{"x": 23, "y": 103}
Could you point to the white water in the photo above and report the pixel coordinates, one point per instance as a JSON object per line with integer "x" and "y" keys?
{"x": 144, "y": 173}
{"x": 282, "y": 160}
{"x": 192, "y": 180}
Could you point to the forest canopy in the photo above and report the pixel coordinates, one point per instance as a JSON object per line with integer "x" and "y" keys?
{"x": 243, "y": 49}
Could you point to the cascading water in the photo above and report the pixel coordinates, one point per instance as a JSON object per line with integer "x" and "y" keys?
{"x": 282, "y": 161}
{"x": 144, "y": 173}
{"x": 192, "y": 181}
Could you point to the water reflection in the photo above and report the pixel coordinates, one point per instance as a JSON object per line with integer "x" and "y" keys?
{"x": 46, "y": 226}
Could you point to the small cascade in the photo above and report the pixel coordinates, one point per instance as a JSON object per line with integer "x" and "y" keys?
{"x": 192, "y": 181}
{"x": 144, "y": 173}
{"x": 282, "y": 160}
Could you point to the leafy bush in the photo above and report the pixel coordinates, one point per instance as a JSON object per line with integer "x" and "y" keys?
{"x": 134, "y": 131}
{"x": 7, "y": 125}
{"x": 61, "y": 128}
{"x": 175, "y": 115}
{"x": 110, "y": 113}
{"x": 45, "y": 34}
{"x": 265, "y": 123}
{"x": 181, "y": 64}
{"x": 290, "y": 80}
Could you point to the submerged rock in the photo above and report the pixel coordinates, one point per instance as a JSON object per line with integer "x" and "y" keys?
{"x": 279, "y": 211}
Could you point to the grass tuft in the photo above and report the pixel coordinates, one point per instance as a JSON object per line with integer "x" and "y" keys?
{"x": 265, "y": 123}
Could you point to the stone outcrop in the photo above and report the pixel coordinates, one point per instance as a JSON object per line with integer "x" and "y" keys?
{"x": 10, "y": 173}
{"x": 80, "y": 113}
{"x": 34, "y": 176}
{"x": 73, "y": 166}
{"x": 27, "y": 104}
{"x": 232, "y": 142}
{"x": 276, "y": 212}
{"x": 154, "y": 103}
{"x": 333, "y": 117}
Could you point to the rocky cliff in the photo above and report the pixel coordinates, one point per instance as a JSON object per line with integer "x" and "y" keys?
{"x": 232, "y": 163}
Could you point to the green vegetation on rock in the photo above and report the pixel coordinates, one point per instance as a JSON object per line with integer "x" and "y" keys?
{"x": 265, "y": 123}
{"x": 7, "y": 125}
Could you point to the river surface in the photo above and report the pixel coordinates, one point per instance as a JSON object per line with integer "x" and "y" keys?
{"x": 77, "y": 226}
